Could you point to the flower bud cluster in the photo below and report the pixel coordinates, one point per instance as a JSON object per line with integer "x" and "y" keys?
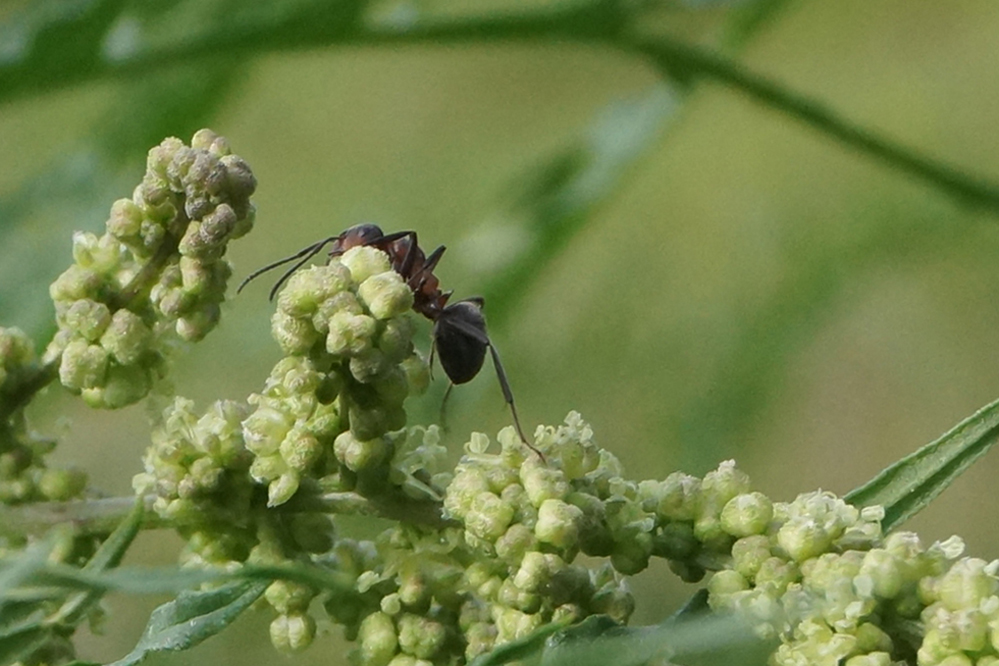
{"x": 328, "y": 407}
{"x": 822, "y": 578}
{"x": 158, "y": 269}
{"x": 197, "y": 468}
{"x": 24, "y": 476}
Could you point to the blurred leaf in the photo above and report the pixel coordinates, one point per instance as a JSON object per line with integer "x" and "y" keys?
{"x": 522, "y": 648}
{"x": 18, "y": 642}
{"x": 192, "y": 617}
{"x": 914, "y": 481}
{"x": 749, "y": 18}
{"x": 15, "y": 570}
{"x": 107, "y": 556}
{"x": 555, "y": 200}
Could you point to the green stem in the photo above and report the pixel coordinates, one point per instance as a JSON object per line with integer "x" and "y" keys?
{"x": 687, "y": 62}
{"x": 102, "y": 516}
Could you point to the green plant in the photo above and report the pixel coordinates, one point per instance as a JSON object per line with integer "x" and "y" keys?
{"x": 478, "y": 562}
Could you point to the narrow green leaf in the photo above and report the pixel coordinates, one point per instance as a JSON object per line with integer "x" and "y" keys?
{"x": 107, "y": 556}
{"x": 520, "y": 649}
{"x": 193, "y": 617}
{"x": 18, "y": 642}
{"x": 555, "y": 199}
{"x": 17, "y": 570}
{"x": 914, "y": 481}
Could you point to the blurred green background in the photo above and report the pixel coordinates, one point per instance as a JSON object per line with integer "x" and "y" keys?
{"x": 726, "y": 282}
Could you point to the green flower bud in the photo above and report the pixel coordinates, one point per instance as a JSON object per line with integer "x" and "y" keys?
{"x": 881, "y": 574}
{"x": 632, "y": 556}
{"x": 870, "y": 659}
{"x": 417, "y": 374}
{"x": 802, "y": 539}
{"x": 368, "y": 366}
{"x": 62, "y": 484}
{"x": 515, "y": 543}
{"x": 124, "y": 385}
{"x": 286, "y": 596}
{"x": 369, "y": 424}
{"x": 378, "y": 640}
{"x": 300, "y": 449}
{"x": 749, "y": 553}
{"x": 679, "y": 497}
{"x": 386, "y": 295}
{"x": 726, "y": 582}
{"x": 614, "y": 600}
{"x": 488, "y": 516}
{"x": 89, "y": 319}
{"x": 481, "y": 638}
{"x": 265, "y": 429}
{"x": 125, "y": 223}
{"x": 310, "y": 287}
{"x": 533, "y": 572}
{"x": 76, "y": 283}
{"x": 357, "y": 455}
{"x": 396, "y": 339}
{"x": 542, "y": 482}
{"x": 127, "y": 337}
{"x": 364, "y": 261}
{"x": 558, "y": 524}
{"x": 419, "y": 636}
{"x": 747, "y": 514}
{"x": 295, "y": 336}
{"x": 871, "y": 638}
{"x": 391, "y": 604}
{"x": 293, "y": 632}
{"x": 82, "y": 365}
{"x": 968, "y": 582}
{"x": 281, "y": 489}
{"x": 775, "y": 575}
{"x": 350, "y": 335}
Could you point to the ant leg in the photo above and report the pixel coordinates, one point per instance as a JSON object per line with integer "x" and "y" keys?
{"x": 307, "y": 252}
{"x": 508, "y": 396}
{"x": 443, "y": 417}
{"x": 429, "y": 264}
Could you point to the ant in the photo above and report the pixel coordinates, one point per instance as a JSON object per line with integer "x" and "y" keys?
{"x": 459, "y": 334}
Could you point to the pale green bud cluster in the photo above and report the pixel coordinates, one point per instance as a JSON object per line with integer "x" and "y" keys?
{"x": 197, "y": 469}
{"x": 329, "y": 407}
{"x": 157, "y": 272}
{"x": 822, "y": 578}
{"x": 24, "y": 475}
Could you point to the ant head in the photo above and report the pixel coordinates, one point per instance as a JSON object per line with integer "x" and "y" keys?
{"x": 357, "y": 235}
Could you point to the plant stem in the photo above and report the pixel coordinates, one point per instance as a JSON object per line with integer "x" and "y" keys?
{"x": 101, "y": 516}
{"x": 687, "y": 62}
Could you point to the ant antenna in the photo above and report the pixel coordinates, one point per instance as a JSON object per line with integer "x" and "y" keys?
{"x": 303, "y": 255}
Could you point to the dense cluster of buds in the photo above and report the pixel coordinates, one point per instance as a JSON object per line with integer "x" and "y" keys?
{"x": 157, "y": 272}
{"x": 24, "y": 475}
{"x": 497, "y": 555}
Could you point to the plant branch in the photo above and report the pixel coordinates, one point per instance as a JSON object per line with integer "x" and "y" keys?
{"x": 102, "y": 516}
{"x": 688, "y": 62}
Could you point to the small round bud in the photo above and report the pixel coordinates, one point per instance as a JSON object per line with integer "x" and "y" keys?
{"x": 558, "y": 524}
{"x": 420, "y": 636}
{"x": 356, "y": 454}
{"x": 747, "y": 514}
{"x": 281, "y": 489}
{"x": 364, "y": 261}
{"x": 488, "y": 516}
{"x": 83, "y": 366}
{"x": 386, "y": 295}
{"x": 89, "y": 319}
{"x": 293, "y": 632}
{"x": 127, "y": 337}
{"x": 350, "y": 335}
{"x": 378, "y": 640}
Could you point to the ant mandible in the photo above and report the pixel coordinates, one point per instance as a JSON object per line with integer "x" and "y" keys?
{"x": 459, "y": 334}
